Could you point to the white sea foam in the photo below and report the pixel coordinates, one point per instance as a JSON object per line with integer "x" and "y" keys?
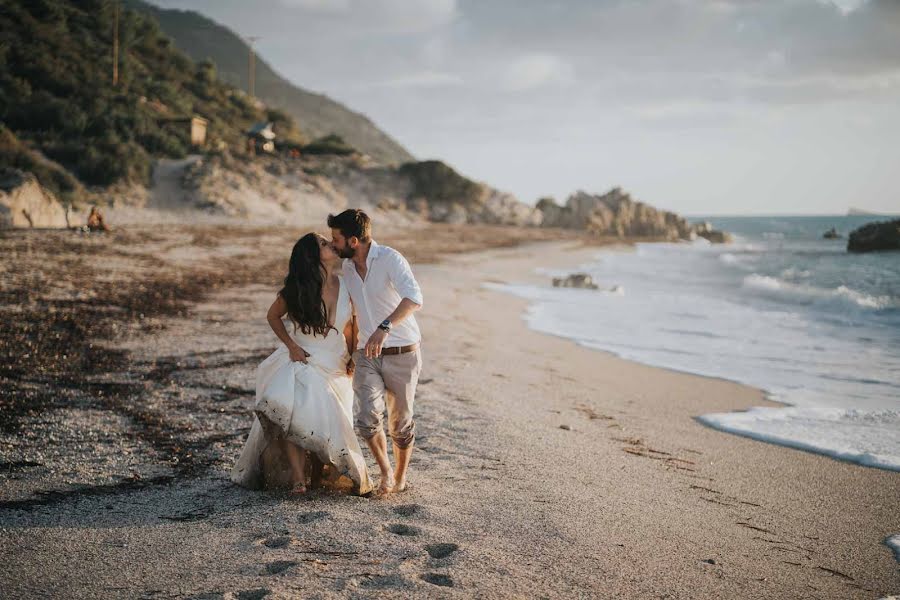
{"x": 893, "y": 542}
{"x": 728, "y": 258}
{"x": 841, "y": 297}
{"x": 865, "y": 437}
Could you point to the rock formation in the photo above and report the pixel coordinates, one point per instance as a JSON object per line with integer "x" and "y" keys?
{"x": 25, "y": 203}
{"x": 448, "y": 197}
{"x": 614, "y": 214}
{"x": 883, "y": 235}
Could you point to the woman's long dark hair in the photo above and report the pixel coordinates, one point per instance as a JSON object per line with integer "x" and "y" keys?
{"x": 302, "y": 289}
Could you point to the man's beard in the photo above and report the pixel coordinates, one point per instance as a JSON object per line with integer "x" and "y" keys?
{"x": 346, "y": 252}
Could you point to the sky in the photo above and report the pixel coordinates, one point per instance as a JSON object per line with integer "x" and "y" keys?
{"x": 704, "y": 107}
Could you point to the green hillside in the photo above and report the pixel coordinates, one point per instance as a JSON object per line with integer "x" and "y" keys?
{"x": 316, "y": 114}
{"x": 58, "y": 102}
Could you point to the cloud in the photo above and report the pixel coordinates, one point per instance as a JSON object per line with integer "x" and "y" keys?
{"x": 319, "y": 6}
{"x": 382, "y": 15}
{"x": 536, "y": 71}
{"x": 423, "y": 79}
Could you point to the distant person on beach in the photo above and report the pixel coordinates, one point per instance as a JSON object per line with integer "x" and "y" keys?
{"x": 95, "y": 221}
{"x": 304, "y": 397}
{"x": 388, "y": 359}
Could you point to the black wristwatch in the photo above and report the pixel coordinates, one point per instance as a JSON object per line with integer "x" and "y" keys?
{"x": 385, "y": 326}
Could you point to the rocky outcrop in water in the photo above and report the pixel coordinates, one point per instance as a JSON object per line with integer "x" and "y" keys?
{"x": 714, "y": 236}
{"x": 884, "y": 235}
{"x": 576, "y": 280}
{"x": 615, "y": 214}
{"x": 25, "y": 203}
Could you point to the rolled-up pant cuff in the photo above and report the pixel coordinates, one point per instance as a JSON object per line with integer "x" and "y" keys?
{"x": 404, "y": 440}
{"x": 367, "y": 433}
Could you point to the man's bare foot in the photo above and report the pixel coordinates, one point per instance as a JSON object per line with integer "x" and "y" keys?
{"x": 386, "y": 485}
{"x": 298, "y": 489}
{"x": 400, "y": 485}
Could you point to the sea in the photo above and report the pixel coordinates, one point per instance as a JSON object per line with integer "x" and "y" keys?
{"x": 781, "y": 308}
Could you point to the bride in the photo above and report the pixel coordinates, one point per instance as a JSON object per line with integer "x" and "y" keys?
{"x": 304, "y": 397}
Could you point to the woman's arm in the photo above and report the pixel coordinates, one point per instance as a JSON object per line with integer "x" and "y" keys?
{"x": 276, "y": 311}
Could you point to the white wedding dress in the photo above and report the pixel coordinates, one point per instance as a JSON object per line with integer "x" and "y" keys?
{"x": 310, "y": 404}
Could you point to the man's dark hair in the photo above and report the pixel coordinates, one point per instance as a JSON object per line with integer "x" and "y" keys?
{"x": 352, "y": 223}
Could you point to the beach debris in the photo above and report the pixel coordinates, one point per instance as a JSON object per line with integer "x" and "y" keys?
{"x": 592, "y": 414}
{"x": 709, "y": 561}
{"x": 566, "y": 427}
{"x": 576, "y": 280}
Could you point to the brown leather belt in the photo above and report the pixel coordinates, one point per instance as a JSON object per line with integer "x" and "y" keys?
{"x": 399, "y": 350}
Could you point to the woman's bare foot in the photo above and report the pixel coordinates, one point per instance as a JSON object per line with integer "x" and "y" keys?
{"x": 298, "y": 489}
{"x": 400, "y": 485}
{"x": 386, "y": 485}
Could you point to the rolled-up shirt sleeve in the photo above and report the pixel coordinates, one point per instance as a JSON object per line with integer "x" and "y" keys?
{"x": 404, "y": 281}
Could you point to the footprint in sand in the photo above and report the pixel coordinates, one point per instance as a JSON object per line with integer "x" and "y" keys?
{"x": 441, "y": 550}
{"x": 383, "y": 581}
{"x": 408, "y": 510}
{"x": 280, "y": 541}
{"x": 280, "y": 566}
{"x": 257, "y": 594}
{"x": 401, "y": 529}
{"x": 438, "y": 579}
{"x": 311, "y": 517}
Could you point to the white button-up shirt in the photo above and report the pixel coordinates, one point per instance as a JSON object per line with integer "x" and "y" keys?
{"x": 389, "y": 279}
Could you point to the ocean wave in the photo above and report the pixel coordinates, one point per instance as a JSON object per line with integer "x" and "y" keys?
{"x": 795, "y": 273}
{"x": 728, "y": 258}
{"x": 840, "y": 297}
{"x": 865, "y": 437}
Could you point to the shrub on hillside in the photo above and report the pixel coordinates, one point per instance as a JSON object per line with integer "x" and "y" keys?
{"x": 329, "y": 144}
{"x": 436, "y": 181}
{"x": 58, "y": 181}
{"x": 57, "y": 95}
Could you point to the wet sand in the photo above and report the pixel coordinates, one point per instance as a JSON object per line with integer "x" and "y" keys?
{"x": 542, "y": 469}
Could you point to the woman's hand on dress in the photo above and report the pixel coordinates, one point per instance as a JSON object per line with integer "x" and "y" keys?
{"x": 351, "y": 367}
{"x": 297, "y": 353}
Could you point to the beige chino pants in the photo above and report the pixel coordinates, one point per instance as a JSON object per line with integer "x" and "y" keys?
{"x": 386, "y": 382}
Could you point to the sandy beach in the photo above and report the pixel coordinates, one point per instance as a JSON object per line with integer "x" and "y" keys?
{"x": 542, "y": 469}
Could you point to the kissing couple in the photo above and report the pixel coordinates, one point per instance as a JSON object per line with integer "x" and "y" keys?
{"x": 350, "y": 349}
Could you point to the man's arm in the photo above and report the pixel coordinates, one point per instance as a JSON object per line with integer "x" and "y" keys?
{"x": 403, "y": 310}
{"x": 401, "y": 277}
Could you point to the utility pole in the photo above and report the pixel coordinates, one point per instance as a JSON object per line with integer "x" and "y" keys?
{"x": 251, "y": 75}
{"x": 115, "y": 43}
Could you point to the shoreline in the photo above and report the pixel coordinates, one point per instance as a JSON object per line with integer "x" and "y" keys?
{"x": 633, "y": 498}
{"x": 750, "y": 397}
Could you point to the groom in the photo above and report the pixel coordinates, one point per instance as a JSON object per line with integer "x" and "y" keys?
{"x": 388, "y": 360}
